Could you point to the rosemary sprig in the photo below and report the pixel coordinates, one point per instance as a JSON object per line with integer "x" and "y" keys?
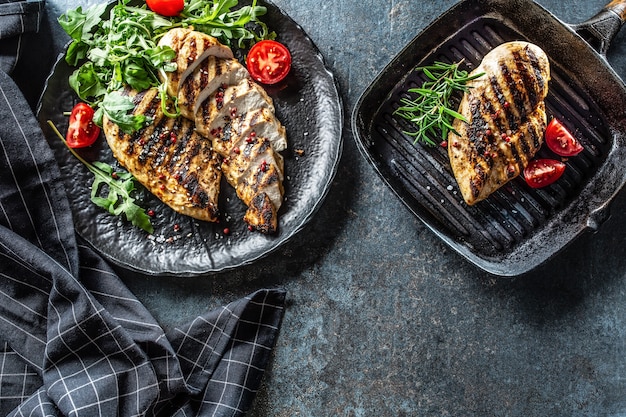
{"x": 429, "y": 109}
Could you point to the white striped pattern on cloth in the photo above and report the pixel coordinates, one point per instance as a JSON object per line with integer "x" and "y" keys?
{"x": 74, "y": 341}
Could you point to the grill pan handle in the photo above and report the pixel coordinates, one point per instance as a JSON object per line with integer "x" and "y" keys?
{"x": 600, "y": 30}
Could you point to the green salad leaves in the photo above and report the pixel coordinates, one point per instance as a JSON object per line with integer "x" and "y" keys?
{"x": 118, "y": 187}
{"x": 119, "y": 48}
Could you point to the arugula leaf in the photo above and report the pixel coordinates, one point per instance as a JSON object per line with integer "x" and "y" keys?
{"x": 116, "y": 107}
{"x": 120, "y": 187}
{"x": 216, "y": 18}
{"x": 87, "y": 83}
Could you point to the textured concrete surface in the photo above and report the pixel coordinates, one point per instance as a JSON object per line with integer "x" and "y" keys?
{"x": 383, "y": 319}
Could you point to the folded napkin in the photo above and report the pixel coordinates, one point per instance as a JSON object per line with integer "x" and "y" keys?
{"x": 16, "y": 19}
{"x": 74, "y": 340}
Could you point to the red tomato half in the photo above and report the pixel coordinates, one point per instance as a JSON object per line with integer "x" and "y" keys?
{"x": 82, "y": 131}
{"x": 542, "y": 172}
{"x": 560, "y": 140}
{"x": 166, "y": 7}
{"x": 268, "y": 61}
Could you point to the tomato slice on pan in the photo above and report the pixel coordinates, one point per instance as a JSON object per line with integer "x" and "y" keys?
{"x": 166, "y": 7}
{"x": 560, "y": 140}
{"x": 82, "y": 131}
{"x": 268, "y": 61}
{"x": 542, "y": 172}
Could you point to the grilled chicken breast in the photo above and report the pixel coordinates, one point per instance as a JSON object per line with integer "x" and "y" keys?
{"x": 169, "y": 158}
{"x": 192, "y": 48}
{"x": 237, "y": 116}
{"x": 506, "y": 119}
{"x": 210, "y": 75}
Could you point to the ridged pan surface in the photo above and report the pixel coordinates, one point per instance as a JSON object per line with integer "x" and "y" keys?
{"x": 307, "y": 102}
{"x": 517, "y": 228}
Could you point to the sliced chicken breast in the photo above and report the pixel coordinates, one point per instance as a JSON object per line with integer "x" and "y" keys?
{"x": 191, "y": 48}
{"x": 237, "y": 116}
{"x": 205, "y": 80}
{"x": 229, "y": 101}
{"x": 259, "y": 122}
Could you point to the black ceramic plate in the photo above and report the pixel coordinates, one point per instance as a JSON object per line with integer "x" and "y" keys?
{"x": 308, "y": 104}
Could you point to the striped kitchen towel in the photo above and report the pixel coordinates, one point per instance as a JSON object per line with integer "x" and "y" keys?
{"x": 74, "y": 340}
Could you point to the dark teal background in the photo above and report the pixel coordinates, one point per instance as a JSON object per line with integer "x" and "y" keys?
{"x": 383, "y": 319}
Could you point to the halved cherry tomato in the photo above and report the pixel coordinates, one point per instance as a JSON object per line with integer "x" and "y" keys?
{"x": 82, "y": 131}
{"x": 542, "y": 172}
{"x": 560, "y": 140}
{"x": 166, "y": 7}
{"x": 268, "y": 61}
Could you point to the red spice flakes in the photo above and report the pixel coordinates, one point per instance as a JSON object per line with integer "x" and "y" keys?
{"x": 264, "y": 166}
{"x": 510, "y": 170}
{"x": 161, "y": 177}
{"x": 173, "y": 137}
{"x": 176, "y": 227}
{"x": 226, "y": 231}
{"x": 217, "y": 132}
{"x": 237, "y": 150}
{"x": 150, "y": 213}
{"x": 233, "y": 112}
{"x": 444, "y": 144}
{"x": 114, "y": 175}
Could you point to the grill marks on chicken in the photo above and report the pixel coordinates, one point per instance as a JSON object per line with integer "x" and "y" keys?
{"x": 192, "y": 48}
{"x": 169, "y": 158}
{"x": 237, "y": 116}
{"x": 506, "y": 119}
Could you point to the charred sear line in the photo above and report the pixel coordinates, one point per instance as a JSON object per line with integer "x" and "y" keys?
{"x": 524, "y": 144}
{"x": 515, "y": 153}
{"x": 476, "y": 128}
{"x": 179, "y": 147}
{"x": 516, "y": 90}
{"x": 536, "y": 66}
{"x": 499, "y": 105}
{"x": 227, "y": 132}
{"x": 198, "y": 196}
{"x": 529, "y": 80}
{"x": 188, "y": 92}
{"x": 150, "y": 147}
{"x": 220, "y": 68}
{"x": 536, "y": 135}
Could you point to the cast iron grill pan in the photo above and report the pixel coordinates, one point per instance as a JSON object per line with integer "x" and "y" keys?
{"x": 516, "y": 228}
